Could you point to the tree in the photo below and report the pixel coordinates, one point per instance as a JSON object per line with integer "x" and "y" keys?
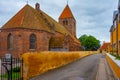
{"x": 89, "y": 43}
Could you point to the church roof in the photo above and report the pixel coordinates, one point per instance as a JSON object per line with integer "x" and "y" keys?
{"x": 60, "y": 28}
{"x": 105, "y": 45}
{"x": 30, "y": 18}
{"x": 27, "y": 17}
{"x": 66, "y": 13}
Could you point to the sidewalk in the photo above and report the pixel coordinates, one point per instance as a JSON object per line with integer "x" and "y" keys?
{"x": 104, "y": 71}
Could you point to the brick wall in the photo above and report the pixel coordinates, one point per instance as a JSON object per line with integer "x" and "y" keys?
{"x": 71, "y": 26}
{"x": 21, "y": 41}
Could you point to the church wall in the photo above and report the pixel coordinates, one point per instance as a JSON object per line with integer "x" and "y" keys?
{"x": 71, "y": 26}
{"x": 56, "y": 42}
{"x": 16, "y": 50}
{"x": 73, "y": 46}
{"x": 21, "y": 41}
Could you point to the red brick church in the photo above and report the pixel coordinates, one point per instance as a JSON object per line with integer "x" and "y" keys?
{"x": 33, "y": 30}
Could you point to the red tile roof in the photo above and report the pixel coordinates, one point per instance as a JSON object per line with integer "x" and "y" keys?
{"x": 30, "y": 18}
{"x": 105, "y": 45}
{"x": 27, "y": 17}
{"x": 66, "y": 13}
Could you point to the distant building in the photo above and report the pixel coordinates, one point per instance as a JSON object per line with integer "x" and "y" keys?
{"x": 32, "y": 30}
{"x": 105, "y": 47}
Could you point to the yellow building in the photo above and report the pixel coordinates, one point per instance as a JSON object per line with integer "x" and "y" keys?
{"x": 115, "y": 34}
{"x": 109, "y": 48}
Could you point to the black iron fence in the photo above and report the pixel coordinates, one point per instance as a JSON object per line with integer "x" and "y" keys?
{"x": 11, "y": 69}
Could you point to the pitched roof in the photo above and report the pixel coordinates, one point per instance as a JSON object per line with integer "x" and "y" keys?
{"x": 30, "y": 18}
{"x": 105, "y": 45}
{"x": 66, "y": 13}
{"x": 27, "y": 17}
{"x": 60, "y": 28}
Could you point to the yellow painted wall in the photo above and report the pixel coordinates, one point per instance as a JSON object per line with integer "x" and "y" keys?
{"x": 119, "y": 38}
{"x": 111, "y": 37}
{"x": 119, "y": 30}
{"x": 114, "y": 40}
{"x": 37, "y": 63}
{"x": 114, "y": 67}
{"x": 109, "y": 48}
{"x": 114, "y": 36}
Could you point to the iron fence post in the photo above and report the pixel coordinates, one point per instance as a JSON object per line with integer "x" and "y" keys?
{"x": 11, "y": 68}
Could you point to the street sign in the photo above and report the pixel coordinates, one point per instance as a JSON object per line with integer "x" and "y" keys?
{"x": 8, "y": 56}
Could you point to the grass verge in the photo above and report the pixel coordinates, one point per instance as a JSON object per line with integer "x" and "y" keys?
{"x": 14, "y": 75}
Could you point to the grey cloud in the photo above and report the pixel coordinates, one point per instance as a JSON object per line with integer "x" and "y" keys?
{"x": 94, "y": 17}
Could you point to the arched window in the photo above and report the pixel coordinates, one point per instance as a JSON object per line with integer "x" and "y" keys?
{"x": 32, "y": 41}
{"x": 10, "y": 41}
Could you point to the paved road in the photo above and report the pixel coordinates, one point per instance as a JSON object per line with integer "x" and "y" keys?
{"x": 104, "y": 71}
{"x": 84, "y": 69}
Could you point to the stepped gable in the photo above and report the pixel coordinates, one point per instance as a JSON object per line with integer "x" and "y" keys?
{"x": 67, "y": 13}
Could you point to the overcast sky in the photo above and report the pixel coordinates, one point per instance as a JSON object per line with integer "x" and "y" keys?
{"x": 94, "y": 17}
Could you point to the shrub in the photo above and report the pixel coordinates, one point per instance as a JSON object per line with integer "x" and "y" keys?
{"x": 16, "y": 69}
{"x": 118, "y": 57}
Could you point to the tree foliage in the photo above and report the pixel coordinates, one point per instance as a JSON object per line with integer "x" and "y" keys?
{"x": 89, "y": 42}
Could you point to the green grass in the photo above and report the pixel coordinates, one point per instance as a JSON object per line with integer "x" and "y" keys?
{"x": 14, "y": 75}
{"x": 117, "y": 56}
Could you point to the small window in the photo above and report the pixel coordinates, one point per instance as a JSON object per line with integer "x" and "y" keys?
{"x": 32, "y": 41}
{"x": 10, "y": 41}
{"x": 65, "y": 22}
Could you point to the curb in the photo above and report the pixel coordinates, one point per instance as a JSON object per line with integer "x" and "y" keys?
{"x": 107, "y": 57}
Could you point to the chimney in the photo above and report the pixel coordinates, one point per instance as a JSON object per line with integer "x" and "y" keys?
{"x": 37, "y": 6}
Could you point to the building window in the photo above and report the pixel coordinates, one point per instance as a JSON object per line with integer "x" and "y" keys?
{"x": 114, "y": 45}
{"x": 115, "y": 24}
{"x": 10, "y": 41}
{"x": 65, "y": 22}
{"x": 32, "y": 41}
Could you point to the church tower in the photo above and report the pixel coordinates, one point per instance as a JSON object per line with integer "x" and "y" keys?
{"x": 67, "y": 19}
